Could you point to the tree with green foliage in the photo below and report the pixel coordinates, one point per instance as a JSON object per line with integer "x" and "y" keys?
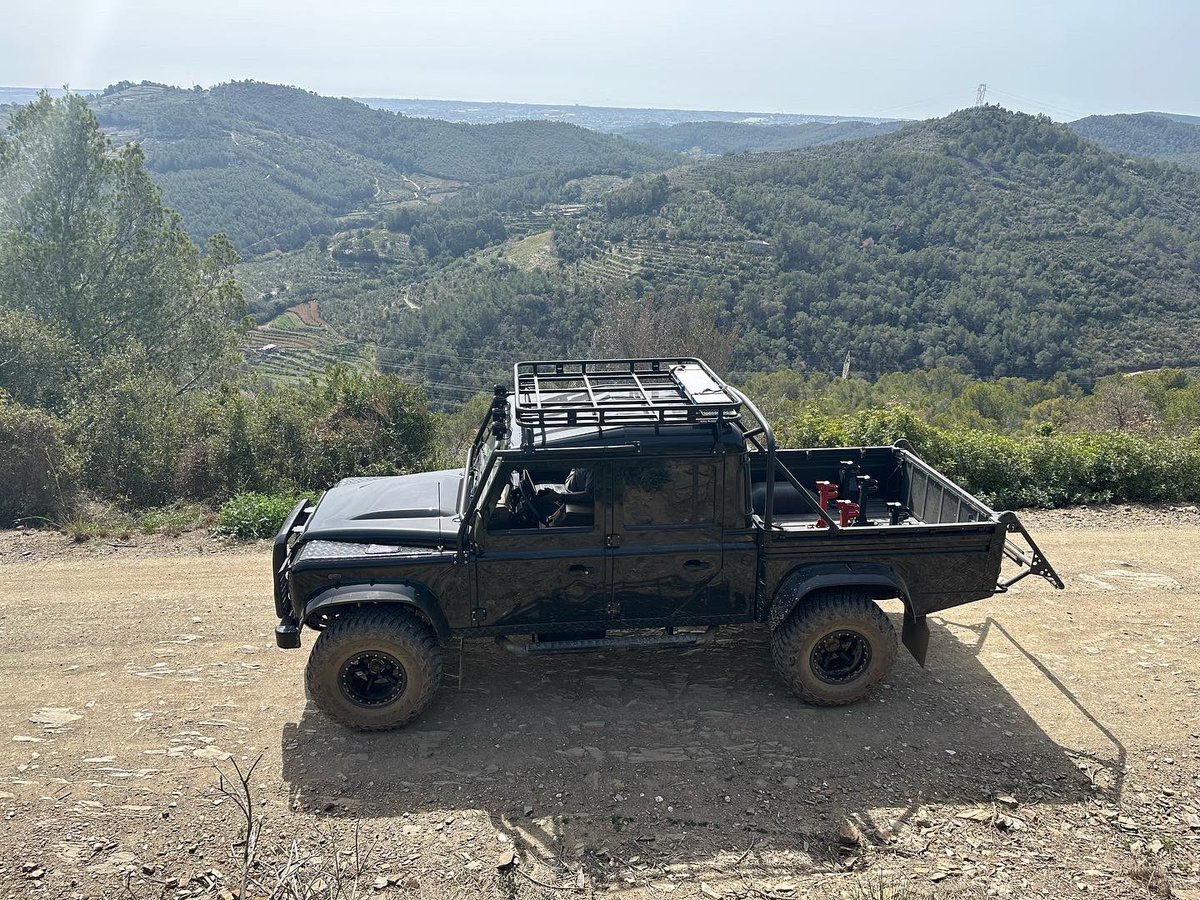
{"x": 88, "y": 251}
{"x": 673, "y": 324}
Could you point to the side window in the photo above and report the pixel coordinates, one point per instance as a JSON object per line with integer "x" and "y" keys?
{"x": 661, "y": 492}
{"x": 542, "y": 496}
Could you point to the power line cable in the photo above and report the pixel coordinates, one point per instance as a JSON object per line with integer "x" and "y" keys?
{"x": 501, "y": 354}
{"x": 1059, "y": 110}
{"x": 423, "y": 378}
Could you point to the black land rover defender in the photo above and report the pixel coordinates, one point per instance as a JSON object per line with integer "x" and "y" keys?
{"x": 630, "y": 503}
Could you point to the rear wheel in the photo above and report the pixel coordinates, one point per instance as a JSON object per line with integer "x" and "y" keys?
{"x": 834, "y": 647}
{"x": 374, "y": 669}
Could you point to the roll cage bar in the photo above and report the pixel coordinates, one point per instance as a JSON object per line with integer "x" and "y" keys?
{"x": 661, "y": 392}
{"x": 670, "y": 392}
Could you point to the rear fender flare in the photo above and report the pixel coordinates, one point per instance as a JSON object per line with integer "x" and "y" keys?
{"x": 413, "y": 596}
{"x": 880, "y": 581}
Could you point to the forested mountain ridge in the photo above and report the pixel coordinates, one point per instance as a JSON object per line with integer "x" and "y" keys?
{"x": 717, "y": 138}
{"x": 273, "y": 165}
{"x": 991, "y": 242}
{"x": 124, "y": 398}
{"x": 1163, "y": 136}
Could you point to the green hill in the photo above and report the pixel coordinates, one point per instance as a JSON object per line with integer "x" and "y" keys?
{"x": 717, "y": 138}
{"x": 273, "y": 165}
{"x": 991, "y": 242}
{"x": 1165, "y": 136}
{"x": 1178, "y": 117}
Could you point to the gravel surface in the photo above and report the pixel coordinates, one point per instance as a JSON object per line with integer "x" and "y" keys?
{"x": 29, "y": 545}
{"x": 1050, "y": 749}
{"x": 1163, "y": 515}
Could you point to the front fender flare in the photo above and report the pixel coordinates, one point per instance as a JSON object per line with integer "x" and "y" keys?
{"x": 398, "y": 594}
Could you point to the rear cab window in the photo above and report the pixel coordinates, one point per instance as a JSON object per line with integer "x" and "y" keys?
{"x": 667, "y": 493}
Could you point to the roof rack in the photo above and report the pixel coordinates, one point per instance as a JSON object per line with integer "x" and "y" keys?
{"x": 666, "y": 391}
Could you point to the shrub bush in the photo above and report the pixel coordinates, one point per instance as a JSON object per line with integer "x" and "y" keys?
{"x": 295, "y": 437}
{"x": 125, "y": 422}
{"x": 342, "y": 424}
{"x": 174, "y": 518}
{"x": 249, "y": 516}
{"x": 1034, "y": 470}
{"x": 38, "y": 471}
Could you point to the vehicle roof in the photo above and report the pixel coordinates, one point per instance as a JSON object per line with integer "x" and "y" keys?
{"x": 719, "y": 437}
{"x": 669, "y": 404}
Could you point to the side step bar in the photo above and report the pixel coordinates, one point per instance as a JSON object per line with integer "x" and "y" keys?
{"x": 634, "y": 642}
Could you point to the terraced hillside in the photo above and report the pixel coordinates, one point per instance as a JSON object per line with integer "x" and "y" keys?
{"x": 273, "y": 166}
{"x": 299, "y": 343}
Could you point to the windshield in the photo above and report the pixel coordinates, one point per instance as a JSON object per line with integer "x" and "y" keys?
{"x": 477, "y": 460}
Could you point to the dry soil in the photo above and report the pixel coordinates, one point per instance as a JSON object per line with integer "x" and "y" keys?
{"x": 1050, "y": 748}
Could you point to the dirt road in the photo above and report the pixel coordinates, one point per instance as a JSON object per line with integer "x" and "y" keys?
{"x": 641, "y": 775}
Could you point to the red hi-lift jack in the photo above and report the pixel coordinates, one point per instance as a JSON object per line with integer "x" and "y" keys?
{"x": 847, "y": 512}
{"x": 828, "y": 491}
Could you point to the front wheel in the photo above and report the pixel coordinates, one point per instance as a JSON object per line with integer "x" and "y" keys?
{"x": 374, "y": 669}
{"x": 834, "y": 647}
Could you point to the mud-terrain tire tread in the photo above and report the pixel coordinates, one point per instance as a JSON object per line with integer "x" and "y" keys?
{"x": 385, "y": 629}
{"x": 818, "y": 615}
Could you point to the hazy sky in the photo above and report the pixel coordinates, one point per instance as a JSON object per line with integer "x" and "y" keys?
{"x": 903, "y": 58}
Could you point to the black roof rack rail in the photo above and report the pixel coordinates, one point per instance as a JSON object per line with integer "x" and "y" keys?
{"x": 662, "y": 391}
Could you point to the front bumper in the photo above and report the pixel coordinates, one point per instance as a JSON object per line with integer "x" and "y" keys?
{"x": 287, "y": 632}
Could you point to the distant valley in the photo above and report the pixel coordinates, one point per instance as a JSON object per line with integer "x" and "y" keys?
{"x": 989, "y": 242}
{"x": 600, "y": 118}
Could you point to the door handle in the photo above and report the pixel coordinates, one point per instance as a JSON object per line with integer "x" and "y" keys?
{"x": 697, "y": 564}
{"x": 580, "y": 570}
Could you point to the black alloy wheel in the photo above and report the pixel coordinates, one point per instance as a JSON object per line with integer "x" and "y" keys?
{"x": 834, "y": 646}
{"x": 840, "y": 656}
{"x": 372, "y": 678}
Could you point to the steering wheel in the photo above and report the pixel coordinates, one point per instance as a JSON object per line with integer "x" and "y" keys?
{"x": 529, "y": 496}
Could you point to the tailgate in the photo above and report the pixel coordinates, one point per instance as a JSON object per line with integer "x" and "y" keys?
{"x": 937, "y": 500}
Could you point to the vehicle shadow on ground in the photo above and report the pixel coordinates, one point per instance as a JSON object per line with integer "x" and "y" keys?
{"x": 684, "y": 754}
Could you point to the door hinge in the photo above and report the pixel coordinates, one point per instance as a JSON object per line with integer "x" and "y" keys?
{"x": 478, "y": 615}
{"x": 613, "y": 540}
{"x": 613, "y": 609}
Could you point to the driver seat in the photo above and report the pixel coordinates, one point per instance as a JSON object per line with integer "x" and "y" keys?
{"x": 544, "y": 505}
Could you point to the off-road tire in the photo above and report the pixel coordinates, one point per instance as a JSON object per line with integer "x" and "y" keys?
{"x": 822, "y": 617}
{"x": 394, "y": 633}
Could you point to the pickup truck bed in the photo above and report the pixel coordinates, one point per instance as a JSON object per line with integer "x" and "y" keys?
{"x": 946, "y": 546}
{"x": 898, "y": 476}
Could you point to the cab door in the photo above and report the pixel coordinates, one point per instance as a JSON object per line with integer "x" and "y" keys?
{"x": 531, "y": 575}
{"x": 666, "y": 542}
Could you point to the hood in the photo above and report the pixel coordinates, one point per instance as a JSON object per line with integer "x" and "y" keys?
{"x": 397, "y": 509}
